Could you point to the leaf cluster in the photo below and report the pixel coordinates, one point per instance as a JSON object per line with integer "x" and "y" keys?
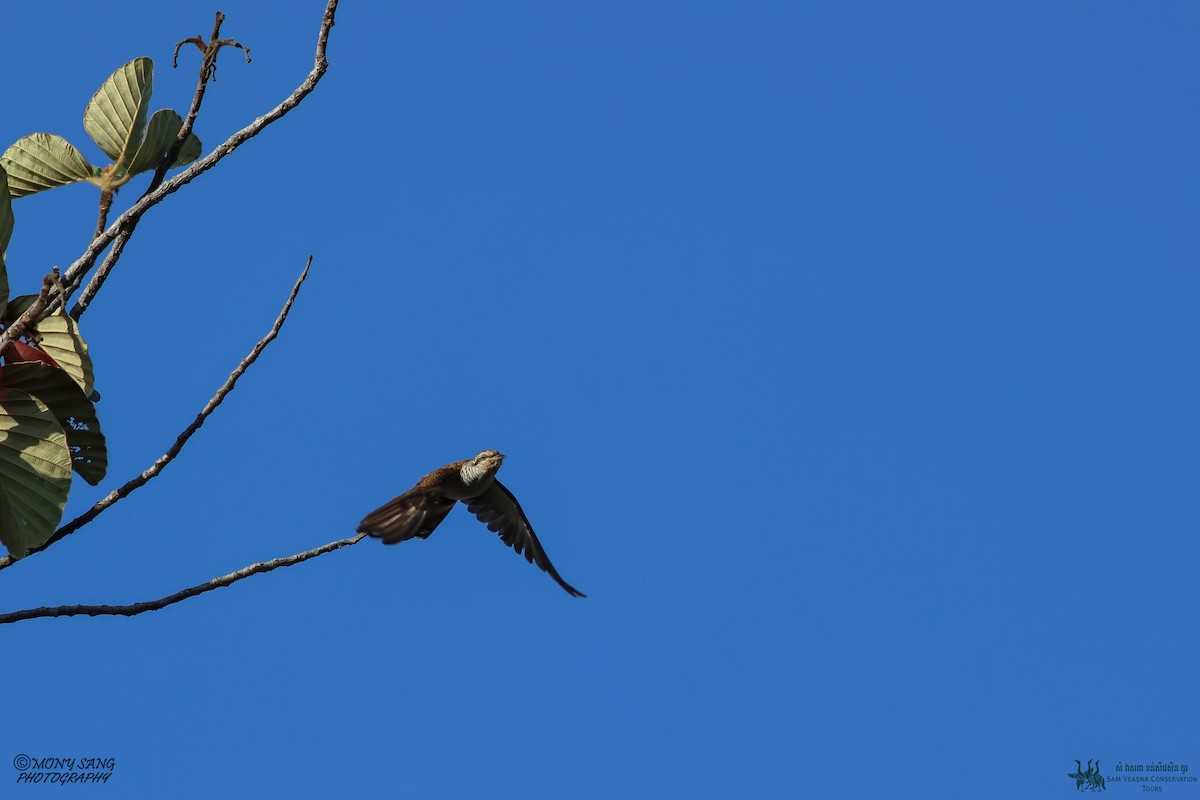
{"x": 48, "y": 421}
{"x": 116, "y": 119}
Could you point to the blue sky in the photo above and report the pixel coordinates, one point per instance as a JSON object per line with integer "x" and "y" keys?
{"x": 844, "y": 354}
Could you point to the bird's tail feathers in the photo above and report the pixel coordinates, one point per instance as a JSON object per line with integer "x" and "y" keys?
{"x": 397, "y": 520}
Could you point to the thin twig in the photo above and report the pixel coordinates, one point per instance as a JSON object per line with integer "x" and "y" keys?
{"x": 181, "y": 440}
{"x": 106, "y": 198}
{"x": 26, "y": 323}
{"x": 101, "y": 275}
{"x": 210, "y": 49}
{"x": 155, "y": 605}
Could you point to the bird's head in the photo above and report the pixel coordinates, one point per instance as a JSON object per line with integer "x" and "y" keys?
{"x": 490, "y": 460}
{"x": 482, "y": 467}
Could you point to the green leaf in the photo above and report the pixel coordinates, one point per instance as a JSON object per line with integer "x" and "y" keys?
{"x": 189, "y": 152}
{"x": 73, "y": 410}
{"x": 116, "y": 115}
{"x": 60, "y": 339}
{"x": 161, "y": 132}
{"x": 6, "y": 229}
{"x": 43, "y": 161}
{"x": 16, "y": 307}
{"x": 35, "y": 472}
{"x": 6, "y": 215}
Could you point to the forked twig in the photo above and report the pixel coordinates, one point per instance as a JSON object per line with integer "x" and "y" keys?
{"x": 210, "y": 49}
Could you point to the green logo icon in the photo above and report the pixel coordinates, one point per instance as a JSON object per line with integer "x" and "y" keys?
{"x": 1088, "y": 780}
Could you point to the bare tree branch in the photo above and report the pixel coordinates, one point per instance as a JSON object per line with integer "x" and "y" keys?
{"x": 181, "y": 440}
{"x": 155, "y": 605}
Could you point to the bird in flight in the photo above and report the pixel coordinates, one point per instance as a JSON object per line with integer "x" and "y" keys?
{"x": 421, "y": 509}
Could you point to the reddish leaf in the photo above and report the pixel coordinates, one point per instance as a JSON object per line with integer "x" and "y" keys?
{"x": 19, "y": 351}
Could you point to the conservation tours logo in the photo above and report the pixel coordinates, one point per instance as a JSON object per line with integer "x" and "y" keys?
{"x": 1152, "y": 776}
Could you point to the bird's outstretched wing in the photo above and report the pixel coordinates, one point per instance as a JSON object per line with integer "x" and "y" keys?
{"x": 503, "y": 515}
{"x": 414, "y": 513}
